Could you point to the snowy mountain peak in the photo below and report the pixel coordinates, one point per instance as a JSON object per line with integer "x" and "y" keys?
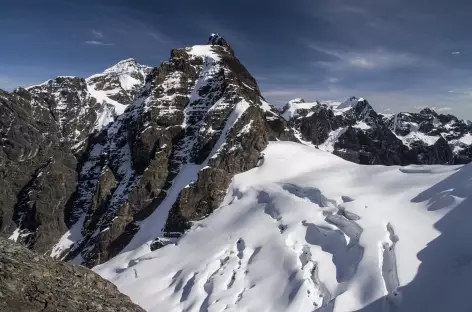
{"x": 129, "y": 73}
{"x": 428, "y": 111}
{"x": 116, "y": 88}
{"x": 350, "y": 102}
{"x": 216, "y": 39}
{"x": 293, "y": 108}
{"x": 296, "y": 101}
{"x": 125, "y": 66}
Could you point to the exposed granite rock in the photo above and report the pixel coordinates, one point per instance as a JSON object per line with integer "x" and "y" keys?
{"x": 317, "y": 124}
{"x": 438, "y": 153}
{"x": 216, "y": 39}
{"x": 31, "y": 282}
{"x": 71, "y": 106}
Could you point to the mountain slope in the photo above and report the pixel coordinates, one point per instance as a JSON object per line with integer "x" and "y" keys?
{"x": 109, "y": 151}
{"x": 308, "y": 231}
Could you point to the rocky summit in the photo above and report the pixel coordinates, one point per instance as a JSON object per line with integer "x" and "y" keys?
{"x": 135, "y": 155}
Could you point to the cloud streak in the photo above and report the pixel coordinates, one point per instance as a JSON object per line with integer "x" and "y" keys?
{"x": 98, "y": 43}
{"x": 443, "y": 109}
{"x": 378, "y": 59}
{"x": 97, "y": 34}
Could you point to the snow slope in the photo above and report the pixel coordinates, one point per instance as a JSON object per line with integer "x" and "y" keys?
{"x": 309, "y": 231}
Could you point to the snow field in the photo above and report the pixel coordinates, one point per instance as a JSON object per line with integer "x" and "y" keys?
{"x": 305, "y": 231}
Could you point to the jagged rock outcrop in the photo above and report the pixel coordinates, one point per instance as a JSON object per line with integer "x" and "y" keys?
{"x": 32, "y": 282}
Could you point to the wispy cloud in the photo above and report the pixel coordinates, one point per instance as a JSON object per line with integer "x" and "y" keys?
{"x": 261, "y": 78}
{"x": 456, "y": 53}
{"x": 98, "y": 43}
{"x": 466, "y": 93}
{"x": 158, "y": 37}
{"x": 333, "y": 80}
{"x": 443, "y": 109}
{"x": 97, "y": 33}
{"x": 98, "y": 39}
{"x": 420, "y": 107}
{"x": 365, "y": 60}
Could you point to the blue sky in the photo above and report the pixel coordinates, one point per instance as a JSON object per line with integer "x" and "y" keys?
{"x": 400, "y": 55}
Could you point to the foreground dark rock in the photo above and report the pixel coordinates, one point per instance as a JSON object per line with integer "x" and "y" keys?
{"x": 31, "y": 282}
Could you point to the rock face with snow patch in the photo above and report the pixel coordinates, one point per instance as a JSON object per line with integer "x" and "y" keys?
{"x": 115, "y": 88}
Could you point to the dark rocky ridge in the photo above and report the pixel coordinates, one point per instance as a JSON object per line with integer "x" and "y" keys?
{"x": 31, "y": 282}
